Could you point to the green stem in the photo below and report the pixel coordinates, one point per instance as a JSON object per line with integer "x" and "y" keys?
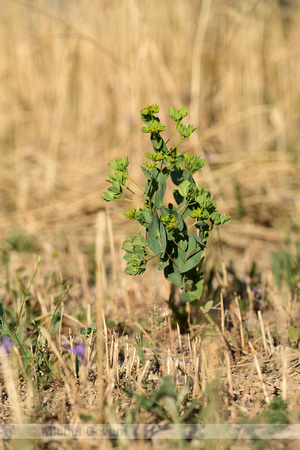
{"x": 129, "y": 178}
{"x": 25, "y": 294}
{"x": 178, "y": 246}
{"x": 206, "y": 314}
{"x": 179, "y": 142}
{"x": 172, "y": 135}
{"x": 61, "y": 298}
{"x": 153, "y": 256}
{"x": 129, "y": 200}
{"x": 21, "y": 347}
{"x": 193, "y": 224}
{"x": 184, "y": 207}
{"x": 169, "y": 256}
{"x": 130, "y": 190}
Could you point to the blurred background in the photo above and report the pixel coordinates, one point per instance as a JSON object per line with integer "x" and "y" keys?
{"x": 74, "y": 76}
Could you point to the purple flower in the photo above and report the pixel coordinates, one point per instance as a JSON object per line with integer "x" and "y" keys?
{"x": 256, "y": 291}
{"x": 78, "y": 349}
{"x": 6, "y": 344}
{"x": 285, "y": 198}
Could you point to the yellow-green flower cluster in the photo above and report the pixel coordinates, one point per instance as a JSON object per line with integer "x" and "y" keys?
{"x": 156, "y": 128}
{"x": 200, "y": 214}
{"x": 169, "y": 221}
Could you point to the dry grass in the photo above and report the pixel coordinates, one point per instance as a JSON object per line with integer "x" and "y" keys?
{"x": 238, "y": 369}
{"x": 74, "y": 76}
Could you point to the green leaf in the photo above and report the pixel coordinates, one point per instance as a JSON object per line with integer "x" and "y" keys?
{"x": 107, "y": 197}
{"x": 139, "y": 240}
{"x": 163, "y": 264}
{"x": 178, "y": 176}
{"x": 154, "y": 173}
{"x": 183, "y": 188}
{"x": 146, "y": 173}
{"x": 129, "y": 270}
{"x": 224, "y": 219}
{"x": 192, "y": 245}
{"x": 154, "y": 226}
{"x": 159, "y": 197}
{"x": 173, "y": 275}
{"x": 151, "y": 242}
{"x": 185, "y": 131}
{"x": 183, "y": 112}
{"x": 120, "y": 164}
{"x": 163, "y": 238}
{"x": 146, "y": 191}
{"x": 115, "y": 190}
{"x": 208, "y": 306}
{"x": 183, "y": 244}
{"x": 156, "y": 142}
{"x": 193, "y": 163}
{"x": 192, "y": 262}
{"x": 162, "y": 179}
{"x": 200, "y": 242}
{"x": 155, "y": 245}
{"x": 190, "y": 296}
{"x": 180, "y": 258}
{"x": 148, "y": 216}
{"x": 294, "y": 335}
{"x": 178, "y": 198}
{"x": 177, "y": 116}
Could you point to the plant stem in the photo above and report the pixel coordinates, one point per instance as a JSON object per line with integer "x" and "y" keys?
{"x": 61, "y": 298}
{"x": 129, "y": 200}
{"x": 25, "y": 295}
{"x": 172, "y": 136}
{"x": 178, "y": 143}
{"x": 130, "y": 190}
{"x": 193, "y": 224}
{"x": 140, "y": 187}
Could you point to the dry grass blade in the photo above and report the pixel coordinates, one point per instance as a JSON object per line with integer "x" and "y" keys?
{"x": 261, "y": 379}
{"x": 11, "y": 386}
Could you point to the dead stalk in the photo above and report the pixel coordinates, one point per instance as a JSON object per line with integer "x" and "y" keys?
{"x": 228, "y": 370}
{"x": 240, "y": 322}
{"x": 262, "y": 328}
{"x": 222, "y": 315}
{"x": 261, "y": 379}
{"x": 100, "y": 322}
{"x": 284, "y": 375}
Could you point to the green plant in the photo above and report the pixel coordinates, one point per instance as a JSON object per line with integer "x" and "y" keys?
{"x": 23, "y": 327}
{"x": 19, "y": 241}
{"x": 294, "y": 335}
{"x": 138, "y": 343}
{"x": 276, "y": 414}
{"x": 176, "y": 234}
{"x": 286, "y": 268}
{"x": 174, "y": 405}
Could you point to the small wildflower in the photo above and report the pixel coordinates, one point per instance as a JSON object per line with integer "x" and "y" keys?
{"x": 256, "y": 291}
{"x": 285, "y": 198}
{"x": 150, "y": 110}
{"x": 6, "y": 345}
{"x": 78, "y": 349}
{"x": 169, "y": 221}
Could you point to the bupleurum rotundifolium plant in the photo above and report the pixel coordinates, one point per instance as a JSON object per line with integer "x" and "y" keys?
{"x": 175, "y": 234}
